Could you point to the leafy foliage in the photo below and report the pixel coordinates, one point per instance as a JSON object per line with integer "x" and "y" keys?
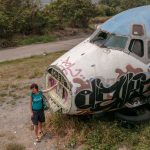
{"x": 27, "y": 17}
{"x": 74, "y": 13}
{"x": 111, "y": 7}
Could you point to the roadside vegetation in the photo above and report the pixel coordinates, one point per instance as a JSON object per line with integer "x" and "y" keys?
{"x": 36, "y": 39}
{"x": 27, "y": 18}
{"x": 26, "y": 21}
{"x": 112, "y": 7}
{"x": 69, "y": 132}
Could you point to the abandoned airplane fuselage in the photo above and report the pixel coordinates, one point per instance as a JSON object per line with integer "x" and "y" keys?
{"x": 108, "y": 71}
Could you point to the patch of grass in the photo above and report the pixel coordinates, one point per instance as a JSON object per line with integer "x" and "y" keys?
{"x": 3, "y": 94}
{"x": 99, "y": 134}
{"x": 72, "y": 142}
{"x": 15, "y": 146}
{"x": 14, "y": 72}
{"x": 36, "y": 39}
{"x": 36, "y": 73}
{"x": 15, "y": 96}
{"x": 12, "y": 102}
{"x": 17, "y": 75}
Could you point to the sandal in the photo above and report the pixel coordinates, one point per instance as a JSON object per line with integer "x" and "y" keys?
{"x": 38, "y": 140}
{"x": 41, "y": 134}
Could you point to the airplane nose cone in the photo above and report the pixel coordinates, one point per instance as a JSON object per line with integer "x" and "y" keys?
{"x": 78, "y": 62}
{"x": 82, "y": 64}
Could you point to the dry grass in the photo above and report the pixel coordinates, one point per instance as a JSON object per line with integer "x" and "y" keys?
{"x": 15, "y": 75}
{"x": 15, "y": 146}
{"x": 32, "y": 67}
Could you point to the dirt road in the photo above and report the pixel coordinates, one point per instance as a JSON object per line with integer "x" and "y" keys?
{"x": 37, "y": 49}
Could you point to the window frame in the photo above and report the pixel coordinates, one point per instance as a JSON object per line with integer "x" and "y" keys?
{"x": 132, "y": 41}
{"x": 144, "y": 37}
{"x": 118, "y": 48}
{"x": 95, "y": 34}
{"x": 144, "y": 59}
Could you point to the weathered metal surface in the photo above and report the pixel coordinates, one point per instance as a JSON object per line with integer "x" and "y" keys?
{"x": 121, "y": 24}
{"x": 93, "y": 78}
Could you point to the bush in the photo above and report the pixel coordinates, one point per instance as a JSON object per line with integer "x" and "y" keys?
{"x": 111, "y": 7}
{"x": 26, "y": 17}
{"x": 33, "y": 22}
{"x": 7, "y": 43}
{"x": 105, "y": 10}
{"x": 18, "y": 16}
{"x": 73, "y": 13}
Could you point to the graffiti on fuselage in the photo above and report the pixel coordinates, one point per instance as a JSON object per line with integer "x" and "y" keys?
{"x": 99, "y": 97}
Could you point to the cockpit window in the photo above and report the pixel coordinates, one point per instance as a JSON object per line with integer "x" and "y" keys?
{"x": 117, "y": 42}
{"x": 149, "y": 49}
{"x": 100, "y": 38}
{"x": 108, "y": 40}
{"x": 137, "y": 47}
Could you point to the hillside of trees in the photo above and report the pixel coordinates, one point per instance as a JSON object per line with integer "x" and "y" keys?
{"x": 112, "y": 7}
{"x": 26, "y": 17}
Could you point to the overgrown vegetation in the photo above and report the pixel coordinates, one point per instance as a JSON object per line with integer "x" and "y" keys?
{"x": 26, "y": 17}
{"x": 36, "y": 39}
{"x": 112, "y": 7}
{"x": 103, "y": 133}
{"x": 71, "y": 13}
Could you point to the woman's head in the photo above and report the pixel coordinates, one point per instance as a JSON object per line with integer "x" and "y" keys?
{"x": 34, "y": 87}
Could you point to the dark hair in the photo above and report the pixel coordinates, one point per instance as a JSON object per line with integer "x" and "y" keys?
{"x": 34, "y": 85}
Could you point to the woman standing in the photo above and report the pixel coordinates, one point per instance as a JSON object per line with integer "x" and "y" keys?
{"x": 36, "y": 109}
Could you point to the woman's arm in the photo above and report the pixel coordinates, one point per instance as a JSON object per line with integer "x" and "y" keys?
{"x": 47, "y": 90}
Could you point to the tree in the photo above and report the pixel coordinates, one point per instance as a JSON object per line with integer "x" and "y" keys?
{"x": 74, "y": 13}
{"x": 120, "y": 5}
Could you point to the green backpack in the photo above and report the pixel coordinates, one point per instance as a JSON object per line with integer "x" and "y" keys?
{"x": 45, "y": 103}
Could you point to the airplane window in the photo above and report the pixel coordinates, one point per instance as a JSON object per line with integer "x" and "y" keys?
{"x": 100, "y": 38}
{"x": 137, "y": 47}
{"x": 149, "y": 49}
{"x": 138, "y": 30}
{"x": 116, "y": 42}
{"x": 104, "y": 39}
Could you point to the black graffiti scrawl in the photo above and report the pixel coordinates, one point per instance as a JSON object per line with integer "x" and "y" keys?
{"x": 128, "y": 87}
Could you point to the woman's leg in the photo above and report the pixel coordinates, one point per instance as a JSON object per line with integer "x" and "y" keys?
{"x": 41, "y": 120}
{"x": 34, "y": 119}
{"x": 40, "y": 127}
{"x": 36, "y": 130}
